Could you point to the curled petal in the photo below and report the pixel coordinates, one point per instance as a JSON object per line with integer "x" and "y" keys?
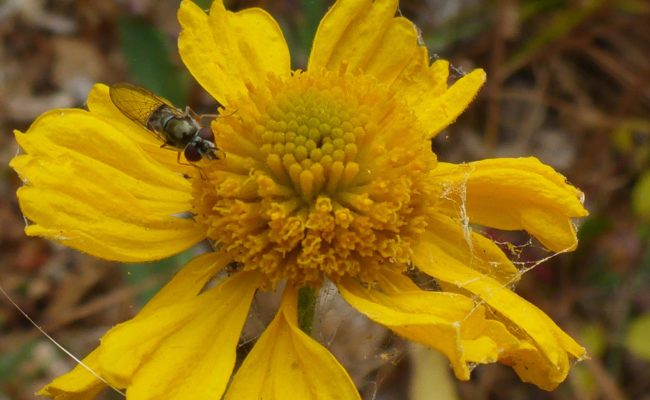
{"x": 89, "y": 186}
{"x": 225, "y": 51}
{"x": 544, "y": 355}
{"x": 450, "y": 242}
{"x": 448, "y": 322}
{"x": 512, "y": 194}
{"x": 287, "y": 364}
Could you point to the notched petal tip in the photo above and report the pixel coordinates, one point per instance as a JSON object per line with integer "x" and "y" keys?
{"x": 91, "y": 187}
{"x": 351, "y": 32}
{"x": 438, "y": 112}
{"x": 225, "y": 51}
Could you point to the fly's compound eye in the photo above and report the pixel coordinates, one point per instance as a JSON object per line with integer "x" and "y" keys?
{"x": 192, "y": 154}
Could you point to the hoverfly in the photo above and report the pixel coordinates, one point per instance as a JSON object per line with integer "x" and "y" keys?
{"x": 178, "y": 129}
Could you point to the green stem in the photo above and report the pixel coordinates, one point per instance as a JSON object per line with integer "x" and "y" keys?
{"x": 306, "y": 308}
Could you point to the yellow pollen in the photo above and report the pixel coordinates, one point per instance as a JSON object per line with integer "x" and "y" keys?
{"x": 324, "y": 176}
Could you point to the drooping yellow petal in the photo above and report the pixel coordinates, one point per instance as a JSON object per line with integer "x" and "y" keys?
{"x": 77, "y": 384}
{"x": 90, "y": 187}
{"x": 512, "y": 194}
{"x": 196, "y": 361}
{"x": 452, "y": 243}
{"x": 80, "y": 383}
{"x": 224, "y": 51}
{"x": 286, "y": 363}
{"x": 448, "y": 322}
{"x": 551, "y": 348}
{"x": 186, "y": 350}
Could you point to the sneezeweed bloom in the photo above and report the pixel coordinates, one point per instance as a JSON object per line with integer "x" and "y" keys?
{"x": 328, "y": 174}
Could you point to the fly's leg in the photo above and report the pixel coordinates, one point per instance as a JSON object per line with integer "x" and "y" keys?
{"x": 178, "y": 160}
{"x": 209, "y": 117}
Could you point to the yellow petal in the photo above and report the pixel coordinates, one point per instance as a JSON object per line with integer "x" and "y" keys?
{"x": 451, "y": 242}
{"x": 366, "y": 37}
{"x": 286, "y": 363}
{"x": 350, "y": 32}
{"x": 440, "y": 72}
{"x": 437, "y": 111}
{"x": 448, "y": 322}
{"x": 65, "y": 133}
{"x": 224, "y": 51}
{"x": 417, "y": 80}
{"x": 531, "y": 366}
{"x": 512, "y": 194}
{"x": 188, "y": 281}
{"x": 90, "y": 187}
{"x": 76, "y": 384}
{"x": 397, "y": 48}
{"x": 186, "y": 284}
{"x": 552, "y": 348}
{"x": 182, "y": 351}
{"x": 197, "y": 360}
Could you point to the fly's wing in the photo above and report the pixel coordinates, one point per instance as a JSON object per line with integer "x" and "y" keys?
{"x": 138, "y": 104}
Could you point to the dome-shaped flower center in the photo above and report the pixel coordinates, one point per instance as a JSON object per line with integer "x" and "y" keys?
{"x": 324, "y": 175}
{"x": 312, "y": 136}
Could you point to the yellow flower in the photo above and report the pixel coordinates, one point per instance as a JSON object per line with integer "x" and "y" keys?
{"x": 327, "y": 174}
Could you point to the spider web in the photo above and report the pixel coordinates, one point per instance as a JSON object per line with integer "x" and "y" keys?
{"x": 368, "y": 351}
{"x": 372, "y": 350}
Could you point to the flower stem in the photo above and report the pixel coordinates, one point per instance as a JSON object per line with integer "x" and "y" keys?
{"x": 306, "y": 308}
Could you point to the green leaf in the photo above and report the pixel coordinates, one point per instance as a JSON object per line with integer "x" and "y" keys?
{"x": 636, "y": 339}
{"x": 641, "y": 196}
{"x": 148, "y": 57}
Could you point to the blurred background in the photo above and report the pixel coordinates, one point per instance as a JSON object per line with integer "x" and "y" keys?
{"x": 568, "y": 82}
